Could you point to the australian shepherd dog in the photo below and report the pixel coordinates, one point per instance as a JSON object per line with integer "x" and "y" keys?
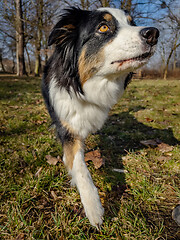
{"x": 94, "y": 57}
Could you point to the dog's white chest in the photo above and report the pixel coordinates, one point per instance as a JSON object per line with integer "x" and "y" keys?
{"x": 86, "y": 114}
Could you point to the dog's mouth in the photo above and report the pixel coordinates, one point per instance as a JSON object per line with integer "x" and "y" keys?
{"x": 138, "y": 58}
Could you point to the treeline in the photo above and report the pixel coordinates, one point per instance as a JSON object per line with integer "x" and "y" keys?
{"x": 25, "y": 26}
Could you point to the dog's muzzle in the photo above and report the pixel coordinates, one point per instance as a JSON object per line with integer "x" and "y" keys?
{"x": 150, "y": 35}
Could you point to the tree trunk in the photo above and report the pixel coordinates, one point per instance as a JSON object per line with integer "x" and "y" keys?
{"x": 1, "y": 61}
{"x": 129, "y": 5}
{"x": 169, "y": 57}
{"x": 126, "y": 5}
{"x": 13, "y": 59}
{"x": 174, "y": 61}
{"x": 105, "y": 3}
{"x": 21, "y": 70}
{"x": 37, "y": 63}
{"x": 165, "y": 72}
{"x": 39, "y": 37}
{"x": 85, "y": 4}
{"x": 29, "y": 61}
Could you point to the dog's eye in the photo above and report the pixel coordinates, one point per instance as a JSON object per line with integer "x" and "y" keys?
{"x": 104, "y": 28}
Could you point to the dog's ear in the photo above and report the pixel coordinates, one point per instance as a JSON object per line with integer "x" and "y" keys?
{"x": 65, "y": 36}
{"x": 129, "y": 18}
{"x": 66, "y": 30}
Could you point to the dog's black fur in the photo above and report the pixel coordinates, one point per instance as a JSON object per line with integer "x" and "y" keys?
{"x": 79, "y": 89}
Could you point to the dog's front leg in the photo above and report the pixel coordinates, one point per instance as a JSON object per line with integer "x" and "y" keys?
{"x": 74, "y": 161}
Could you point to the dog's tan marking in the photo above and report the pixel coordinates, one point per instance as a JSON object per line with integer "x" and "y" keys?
{"x": 66, "y": 126}
{"x": 88, "y": 66}
{"x": 69, "y": 26}
{"x": 108, "y": 17}
{"x": 71, "y": 147}
{"x": 63, "y": 36}
{"x": 70, "y": 150}
{"x": 129, "y": 18}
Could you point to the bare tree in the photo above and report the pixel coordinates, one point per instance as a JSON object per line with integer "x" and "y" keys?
{"x": 175, "y": 45}
{"x": 38, "y": 40}
{"x": 21, "y": 70}
{"x": 172, "y": 27}
{"x": 40, "y": 21}
{"x": 126, "y": 4}
{"x": 105, "y": 3}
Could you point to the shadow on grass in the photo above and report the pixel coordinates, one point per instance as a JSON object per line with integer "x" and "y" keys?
{"x": 13, "y": 86}
{"x": 122, "y": 133}
{"x": 22, "y": 128}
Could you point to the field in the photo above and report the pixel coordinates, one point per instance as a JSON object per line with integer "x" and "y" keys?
{"x": 141, "y": 136}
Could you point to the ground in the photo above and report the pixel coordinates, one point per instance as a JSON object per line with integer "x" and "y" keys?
{"x": 141, "y": 137}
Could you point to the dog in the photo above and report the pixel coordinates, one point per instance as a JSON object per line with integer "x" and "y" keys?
{"x": 95, "y": 55}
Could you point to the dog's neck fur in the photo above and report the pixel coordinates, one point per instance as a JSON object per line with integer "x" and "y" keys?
{"x": 87, "y": 113}
{"x": 104, "y": 91}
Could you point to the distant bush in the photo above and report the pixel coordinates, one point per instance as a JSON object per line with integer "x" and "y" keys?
{"x": 155, "y": 73}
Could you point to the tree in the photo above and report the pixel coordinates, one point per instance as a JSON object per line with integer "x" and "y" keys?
{"x": 175, "y": 45}
{"x": 169, "y": 23}
{"x": 105, "y": 3}
{"x": 126, "y": 4}
{"x": 173, "y": 23}
{"x": 38, "y": 40}
{"x": 21, "y": 69}
{"x": 40, "y": 24}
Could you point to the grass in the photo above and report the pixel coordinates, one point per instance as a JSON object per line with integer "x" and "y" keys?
{"x": 138, "y": 203}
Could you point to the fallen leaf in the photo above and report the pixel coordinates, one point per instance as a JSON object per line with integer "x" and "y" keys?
{"x": 164, "y": 148}
{"x": 149, "y": 143}
{"x": 51, "y": 160}
{"x": 95, "y": 157}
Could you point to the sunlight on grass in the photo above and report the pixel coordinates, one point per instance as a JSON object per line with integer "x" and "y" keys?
{"x": 138, "y": 203}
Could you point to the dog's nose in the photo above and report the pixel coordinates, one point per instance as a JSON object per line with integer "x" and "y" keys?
{"x": 150, "y": 35}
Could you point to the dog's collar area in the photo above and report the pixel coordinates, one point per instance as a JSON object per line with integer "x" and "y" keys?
{"x": 139, "y": 58}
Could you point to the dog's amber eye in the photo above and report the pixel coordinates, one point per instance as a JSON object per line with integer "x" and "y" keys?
{"x": 103, "y": 28}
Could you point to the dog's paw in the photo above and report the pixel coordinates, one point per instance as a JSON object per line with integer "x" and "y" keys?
{"x": 95, "y": 215}
{"x": 93, "y": 208}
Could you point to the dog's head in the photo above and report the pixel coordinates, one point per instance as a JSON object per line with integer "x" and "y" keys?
{"x": 104, "y": 42}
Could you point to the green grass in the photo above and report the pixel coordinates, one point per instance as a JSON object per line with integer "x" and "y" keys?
{"x": 138, "y": 203}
